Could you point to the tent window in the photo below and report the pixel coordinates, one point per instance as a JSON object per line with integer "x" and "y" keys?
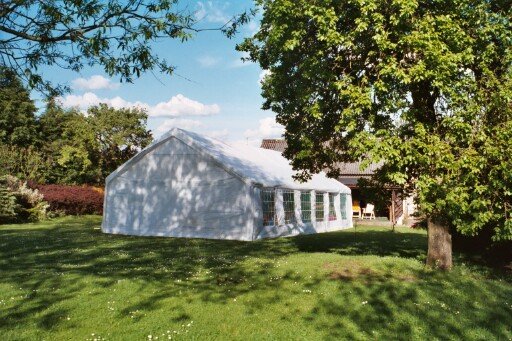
{"x": 319, "y": 207}
{"x": 343, "y": 206}
{"x": 305, "y": 206}
{"x": 268, "y": 197}
{"x": 289, "y": 207}
{"x": 332, "y": 211}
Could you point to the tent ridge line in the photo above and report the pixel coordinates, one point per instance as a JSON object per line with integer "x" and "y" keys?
{"x": 192, "y": 145}
{"x": 173, "y": 134}
{"x": 181, "y": 136}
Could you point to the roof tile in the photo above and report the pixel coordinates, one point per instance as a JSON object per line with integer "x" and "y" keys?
{"x": 346, "y": 168}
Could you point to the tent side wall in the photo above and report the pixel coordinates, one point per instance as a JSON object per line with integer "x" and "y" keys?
{"x": 176, "y": 190}
{"x": 318, "y": 221}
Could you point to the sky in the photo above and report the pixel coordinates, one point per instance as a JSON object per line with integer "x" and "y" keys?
{"x": 212, "y": 91}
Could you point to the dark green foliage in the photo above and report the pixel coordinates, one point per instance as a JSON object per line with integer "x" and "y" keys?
{"x": 53, "y": 121}
{"x": 93, "y": 146}
{"x": 424, "y": 87}
{"x": 21, "y": 154}
{"x": 65, "y": 146}
{"x": 119, "y": 134}
{"x": 25, "y": 163}
{"x": 85, "y": 149}
{"x": 17, "y": 111}
{"x": 483, "y": 248}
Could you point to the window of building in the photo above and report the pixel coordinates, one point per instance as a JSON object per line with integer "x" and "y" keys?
{"x": 343, "y": 206}
{"x": 332, "y": 211}
{"x": 305, "y": 206}
{"x": 268, "y": 199}
{"x": 289, "y": 207}
{"x": 319, "y": 206}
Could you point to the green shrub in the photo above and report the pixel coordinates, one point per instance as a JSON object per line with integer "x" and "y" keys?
{"x": 8, "y": 203}
{"x": 24, "y": 162}
{"x": 19, "y": 203}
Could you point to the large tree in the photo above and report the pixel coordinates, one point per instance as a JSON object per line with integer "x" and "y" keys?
{"x": 64, "y": 145}
{"x": 94, "y": 145}
{"x": 55, "y": 125}
{"x": 17, "y": 111}
{"x": 20, "y": 140}
{"x": 423, "y": 86}
{"x": 119, "y": 135}
{"x": 115, "y": 34}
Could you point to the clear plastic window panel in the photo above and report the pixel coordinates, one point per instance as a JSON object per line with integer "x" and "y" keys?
{"x": 343, "y": 206}
{"x": 332, "y": 211}
{"x": 268, "y": 197}
{"x": 319, "y": 205}
{"x": 289, "y": 207}
{"x": 305, "y": 206}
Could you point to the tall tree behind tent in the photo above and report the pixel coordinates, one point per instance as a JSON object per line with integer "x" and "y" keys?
{"x": 17, "y": 111}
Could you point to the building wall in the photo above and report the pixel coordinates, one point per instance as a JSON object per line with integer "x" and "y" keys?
{"x": 408, "y": 218}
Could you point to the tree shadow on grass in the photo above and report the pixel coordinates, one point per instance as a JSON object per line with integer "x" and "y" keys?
{"x": 366, "y": 241}
{"x": 40, "y": 258}
{"x": 51, "y": 258}
{"x": 429, "y": 303}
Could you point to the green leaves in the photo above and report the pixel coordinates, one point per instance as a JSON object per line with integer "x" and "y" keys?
{"x": 17, "y": 111}
{"x": 96, "y": 144}
{"x": 424, "y": 87}
{"x": 116, "y": 35}
{"x": 65, "y": 146}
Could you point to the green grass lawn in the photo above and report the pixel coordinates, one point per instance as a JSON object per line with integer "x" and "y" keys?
{"x": 64, "y": 279}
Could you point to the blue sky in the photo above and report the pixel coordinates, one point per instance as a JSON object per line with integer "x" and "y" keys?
{"x": 213, "y": 91}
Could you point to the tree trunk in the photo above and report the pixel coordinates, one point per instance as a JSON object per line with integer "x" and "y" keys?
{"x": 439, "y": 246}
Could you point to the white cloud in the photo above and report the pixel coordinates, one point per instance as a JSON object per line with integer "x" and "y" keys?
{"x": 262, "y": 75}
{"x": 208, "y": 61}
{"x": 212, "y": 13}
{"x": 88, "y": 99}
{"x": 178, "y": 105}
{"x": 182, "y": 123}
{"x": 268, "y": 128}
{"x": 95, "y": 82}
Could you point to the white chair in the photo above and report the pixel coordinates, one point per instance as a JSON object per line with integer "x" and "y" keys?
{"x": 369, "y": 212}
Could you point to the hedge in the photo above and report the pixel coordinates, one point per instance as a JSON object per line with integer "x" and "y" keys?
{"x": 74, "y": 200}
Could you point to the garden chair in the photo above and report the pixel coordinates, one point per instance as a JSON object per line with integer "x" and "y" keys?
{"x": 356, "y": 210}
{"x": 369, "y": 211}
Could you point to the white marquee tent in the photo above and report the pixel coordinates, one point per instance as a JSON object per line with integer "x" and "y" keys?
{"x": 188, "y": 185}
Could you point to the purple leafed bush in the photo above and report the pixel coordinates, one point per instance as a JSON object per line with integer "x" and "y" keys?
{"x": 69, "y": 199}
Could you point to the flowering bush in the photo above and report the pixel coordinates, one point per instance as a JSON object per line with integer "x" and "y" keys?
{"x": 19, "y": 203}
{"x": 69, "y": 199}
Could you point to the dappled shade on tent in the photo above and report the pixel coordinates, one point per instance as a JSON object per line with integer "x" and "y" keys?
{"x": 188, "y": 185}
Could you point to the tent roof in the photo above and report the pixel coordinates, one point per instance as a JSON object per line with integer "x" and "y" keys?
{"x": 259, "y": 166}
